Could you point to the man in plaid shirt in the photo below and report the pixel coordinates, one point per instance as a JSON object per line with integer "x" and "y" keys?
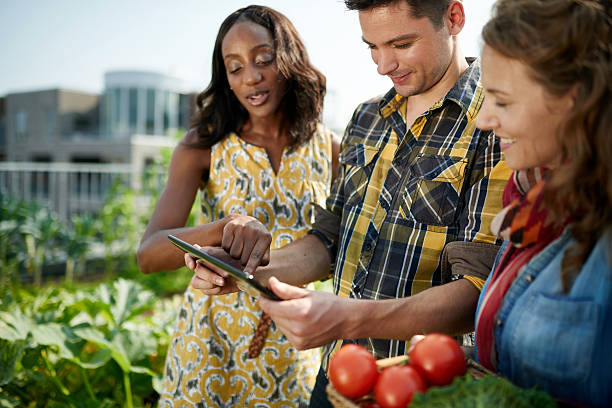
{"x": 405, "y": 231}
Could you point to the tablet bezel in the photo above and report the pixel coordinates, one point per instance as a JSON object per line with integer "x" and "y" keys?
{"x": 233, "y": 271}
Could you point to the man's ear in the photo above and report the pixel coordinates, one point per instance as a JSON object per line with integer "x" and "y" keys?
{"x": 454, "y": 18}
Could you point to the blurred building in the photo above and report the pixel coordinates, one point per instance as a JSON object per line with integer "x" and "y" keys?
{"x": 56, "y": 131}
{"x": 2, "y": 129}
{"x": 137, "y": 113}
{"x": 136, "y": 102}
{"x": 41, "y": 125}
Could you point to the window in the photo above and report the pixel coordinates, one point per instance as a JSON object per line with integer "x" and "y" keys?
{"x": 150, "y": 118}
{"x": 105, "y": 114}
{"x": 49, "y": 125}
{"x": 133, "y": 108}
{"x": 2, "y": 135}
{"x": 116, "y": 113}
{"x": 167, "y": 108}
{"x": 81, "y": 123}
{"x": 21, "y": 125}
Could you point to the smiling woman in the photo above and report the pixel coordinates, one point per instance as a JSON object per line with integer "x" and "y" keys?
{"x": 544, "y": 315}
{"x": 512, "y": 93}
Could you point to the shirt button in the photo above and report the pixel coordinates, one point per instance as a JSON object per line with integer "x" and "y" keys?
{"x": 529, "y": 278}
{"x": 498, "y": 322}
{"x": 368, "y": 246}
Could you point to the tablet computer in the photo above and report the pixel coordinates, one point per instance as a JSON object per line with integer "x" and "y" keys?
{"x": 245, "y": 282}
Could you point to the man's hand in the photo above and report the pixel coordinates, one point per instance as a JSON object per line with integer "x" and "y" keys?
{"x": 208, "y": 278}
{"x": 307, "y": 318}
{"x": 247, "y": 239}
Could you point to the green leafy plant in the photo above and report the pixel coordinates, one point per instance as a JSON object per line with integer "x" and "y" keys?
{"x": 485, "y": 392}
{"x": 154, "y": 178}
{"x": 13, "y": 253}
{"x": 41, "y": 231}
{"x": 98, "y": 347}
{"x": 77, "y": 241}
{"x": 118, "y": 227}
{"x": 9, "y": 261}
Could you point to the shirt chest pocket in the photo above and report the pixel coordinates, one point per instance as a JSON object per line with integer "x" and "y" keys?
{"x": 358, "y": 163}
{"x": 433, "y": 189}
{"x": 551, "y": 339}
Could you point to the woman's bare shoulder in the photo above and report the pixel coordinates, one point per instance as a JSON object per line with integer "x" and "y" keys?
{"x": 191, "y": 152}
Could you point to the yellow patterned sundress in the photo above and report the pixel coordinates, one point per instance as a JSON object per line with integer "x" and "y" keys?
{"x": 207, "y": 363}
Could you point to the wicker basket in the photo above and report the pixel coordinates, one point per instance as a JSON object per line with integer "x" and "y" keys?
{"x": 340, "y": 401}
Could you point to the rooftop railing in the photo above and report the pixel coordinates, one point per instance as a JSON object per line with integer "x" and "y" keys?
{"x": 65, "y": 188}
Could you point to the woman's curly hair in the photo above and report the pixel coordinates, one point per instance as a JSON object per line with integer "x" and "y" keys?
{"x": 567, "y": 46}
{"x": 218, "y": 110}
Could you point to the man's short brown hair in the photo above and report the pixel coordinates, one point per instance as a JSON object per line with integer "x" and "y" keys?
{"x": 432, "y": 9}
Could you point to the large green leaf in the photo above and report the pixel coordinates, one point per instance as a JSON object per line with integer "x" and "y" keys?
{"x": 130, "y": 300}
{"x": 7, "y": 226}
{"x": 98, "y": 338}
{"x": 97, "y": 360}
{"x": 60, "y": 307}
{"x": 14, "y": 325}
{"x": 158, "y": 383}
{"x": 142, "y": 370}
{"x": 95, "y": 308}
{"x": 8, "y": 402}
{"x": 10, "y": 355}
{"x": 137, "y": 343}
{"x": 59, "y": 337}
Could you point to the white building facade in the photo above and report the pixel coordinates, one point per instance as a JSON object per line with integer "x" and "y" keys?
{"x": 142, "y": 103}
{"x": 61, "y": 147}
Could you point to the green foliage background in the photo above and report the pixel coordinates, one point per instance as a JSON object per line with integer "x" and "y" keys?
{"x": 101, "y": 346}
{"x": 96, "y": 335}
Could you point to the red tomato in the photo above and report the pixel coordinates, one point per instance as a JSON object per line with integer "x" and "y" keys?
{"x": 396, "y": 385}
{"x": 438, "y": 358}
{"x": 353, "y": 371}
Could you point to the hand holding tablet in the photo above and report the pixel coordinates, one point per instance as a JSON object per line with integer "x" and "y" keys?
{"x": 245, "y": 282}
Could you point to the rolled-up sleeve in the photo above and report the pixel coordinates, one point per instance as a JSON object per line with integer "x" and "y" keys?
{"x": 469, "y": 260}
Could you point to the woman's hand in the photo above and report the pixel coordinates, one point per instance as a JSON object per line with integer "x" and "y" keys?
{"x": 247, "y": 239}
{"x": 208, "y": 278}
{"x": 245, "y": 245}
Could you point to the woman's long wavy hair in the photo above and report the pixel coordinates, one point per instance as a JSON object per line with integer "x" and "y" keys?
{"x": 567, "y": 46}
{"x": 218, "y": 110}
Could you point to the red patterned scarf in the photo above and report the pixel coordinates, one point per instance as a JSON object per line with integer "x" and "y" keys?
{"x": 523, "y": 223}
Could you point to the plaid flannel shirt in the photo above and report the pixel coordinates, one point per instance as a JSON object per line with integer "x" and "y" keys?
{"x": 403, "y": 193}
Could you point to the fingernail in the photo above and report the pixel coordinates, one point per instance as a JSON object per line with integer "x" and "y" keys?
{"x": 219, "y": 281}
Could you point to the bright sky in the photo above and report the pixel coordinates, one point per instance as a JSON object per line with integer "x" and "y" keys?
{"x": 72, "y": 43}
